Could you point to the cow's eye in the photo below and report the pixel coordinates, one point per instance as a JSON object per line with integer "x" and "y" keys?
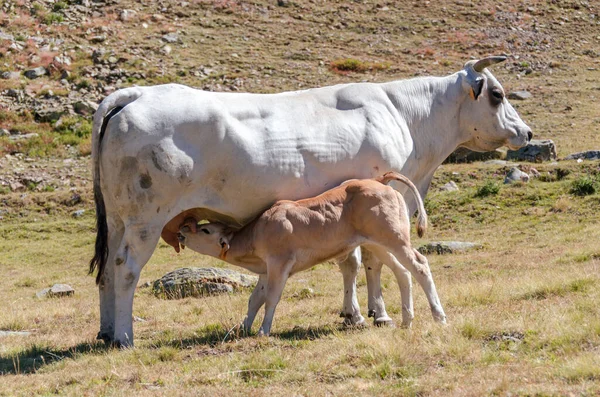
{"x": 206, "y": 231}
{"x": 498, "y": 94}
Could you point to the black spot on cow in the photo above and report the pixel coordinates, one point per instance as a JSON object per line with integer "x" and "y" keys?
{"x": 158, "y": 210}
{"x": 144, "y": 235}
{"x": 145, "y": 181}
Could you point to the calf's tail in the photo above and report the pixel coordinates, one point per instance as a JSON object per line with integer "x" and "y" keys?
{"x": 422, "y": 217}
{"x": 109, "y": 107}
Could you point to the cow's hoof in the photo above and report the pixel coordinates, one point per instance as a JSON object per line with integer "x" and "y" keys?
{"x": 105, "y": 337}
{"x": 384, "y": 321}
{"x": 354, "y": 321}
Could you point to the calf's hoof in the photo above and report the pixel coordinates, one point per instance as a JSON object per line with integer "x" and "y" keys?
{"x": 440, "y": 318}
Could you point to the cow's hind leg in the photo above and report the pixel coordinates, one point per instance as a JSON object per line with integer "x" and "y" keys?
{"x": 349, "y": 268}
{"x": 376, "y": 305}
{"x": 106, "y": 287}
{"x": 136, "y": 248}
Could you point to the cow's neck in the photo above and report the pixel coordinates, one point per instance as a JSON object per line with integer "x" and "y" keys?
{"x": 431, "y": 107}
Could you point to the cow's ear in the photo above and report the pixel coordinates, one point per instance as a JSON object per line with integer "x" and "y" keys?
{"x": 476, "y": 88}
{"x": 224, "y": 243}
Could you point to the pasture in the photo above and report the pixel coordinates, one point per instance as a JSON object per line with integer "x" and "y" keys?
{"x": 523, "y": 315}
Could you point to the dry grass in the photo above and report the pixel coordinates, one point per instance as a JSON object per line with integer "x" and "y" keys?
{"x": 522, "y": 314}
{"x": 523, "y": 311}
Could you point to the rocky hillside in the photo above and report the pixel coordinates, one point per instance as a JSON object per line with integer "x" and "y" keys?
{"x": 59, "y": 58}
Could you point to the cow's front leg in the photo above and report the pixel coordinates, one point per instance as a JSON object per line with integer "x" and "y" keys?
{"x": 349, "y": 268}
{"x": 376, "y": 304}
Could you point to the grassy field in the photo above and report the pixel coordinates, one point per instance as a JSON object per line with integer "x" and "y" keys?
{"x": 523, "y": 315}
{"x": 523, "y": 311}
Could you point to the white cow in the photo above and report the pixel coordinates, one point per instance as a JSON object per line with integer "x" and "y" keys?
{"x": 167, "y": 152}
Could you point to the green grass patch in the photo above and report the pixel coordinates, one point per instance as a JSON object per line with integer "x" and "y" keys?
{"x": 547, "y": 291}
{"x": 583, "y": 186}
{"x": 490, "y": 188}
{"x": 355, "y": 65}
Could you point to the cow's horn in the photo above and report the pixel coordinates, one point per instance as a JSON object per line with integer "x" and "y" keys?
{"x": 485, "y": 62}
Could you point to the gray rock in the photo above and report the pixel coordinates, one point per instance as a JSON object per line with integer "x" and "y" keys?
{"x": 463, "y": 155}
{"x": 127, "y": 15}
{"x": 14, "y": 333}
{"x": 536, "y": 151}
{"x": 56, "y": 291}
{"x": 35, "y": 73}
{"x": 449, "y": 187}
{"x": 19, "y": 137}
{"x": 17, "y": 187}
{"x": 166, "y": 49}
{"x": 85, "y": 108}
{"x": 97, "y": 39}
{"x": 519, "y": 95}
{"x": 587, "y": 155}
{"x": 10, "y": 75}
{"x": 516, "y": 175}
{"x": 170, "y": 38}
{"x": 4, "y": 132}
{"x": 49, "y": 115}
{"x": 447, "y": 247}
{"x": 78, "y": 213}
{"x": 496, "y": 162}
{"x": 201, "y": 281}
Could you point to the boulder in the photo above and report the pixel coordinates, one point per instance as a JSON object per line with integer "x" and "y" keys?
{"x": 447, "y": 247}
{"x": 587, "y": 155}
{"x": 516, "y": 175}
{"x": 35, "y": 73}
{"x": 463, "y": 155}
{"x": 201, "y": 281}
{"x": 536, "y": 151}
{"x": 56, "y": 291}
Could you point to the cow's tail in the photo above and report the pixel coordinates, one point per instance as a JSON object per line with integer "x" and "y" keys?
{"x": 422, "y": 218}
{"x": 110, "y": 106}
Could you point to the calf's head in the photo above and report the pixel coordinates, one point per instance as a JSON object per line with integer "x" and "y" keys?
{"x": 486, "y": 117}
{"x": 208, "y": 238}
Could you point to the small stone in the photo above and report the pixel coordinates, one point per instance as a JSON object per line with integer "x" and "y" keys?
{"x": 11, "y": 75}
{"x": 17, "y": 187}
{"x": 14, "y": 333}
{"x": 85, "y": 108}
{"x": 78, "y": 213}
{"x": 283, "y": 3}
{"x": 449, "y": 187}
{"x": 4, "y": 132}
{"x": 97, "y": 39}
{"x": 56, "y": 291}
{"x": 519, "y": 95}
{"x": 22, "y": 137}
{"x": 138, "y": 319}
{"x": 496, "y": 162}
{"x": 516, "y": 175}
{"x": 112, "y": 60}
{"x": 35, "y": 73}
{"x": 170, "y": 38}
{"x": 166, "y": 49}
{"x": 447, "y": 247}
{"x": 127, "y": 15}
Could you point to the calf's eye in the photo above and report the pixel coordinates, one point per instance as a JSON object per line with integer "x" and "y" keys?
{"x": 206, "y": 231}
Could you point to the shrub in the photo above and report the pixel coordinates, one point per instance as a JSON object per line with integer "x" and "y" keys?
{"x": 354, "y": 65}
{"x": 489, "y": 189}
{"x": 583, "y": 186}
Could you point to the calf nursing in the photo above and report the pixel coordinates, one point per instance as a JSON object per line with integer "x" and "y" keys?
{"x": 292, "y": 236}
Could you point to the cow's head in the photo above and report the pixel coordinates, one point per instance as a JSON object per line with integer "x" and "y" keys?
{"x": 208, "y": 238}
{"x": 486, "y": 116}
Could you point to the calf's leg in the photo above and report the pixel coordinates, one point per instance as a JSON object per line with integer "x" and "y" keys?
{"x": 349, "y": 268}
{"x": 419, "y": 267}
{"x": 277, "y": 274}
{"x": 403, "y": 279}
{"x": 257, "y": 299}
{"x": 376, "y": 306}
